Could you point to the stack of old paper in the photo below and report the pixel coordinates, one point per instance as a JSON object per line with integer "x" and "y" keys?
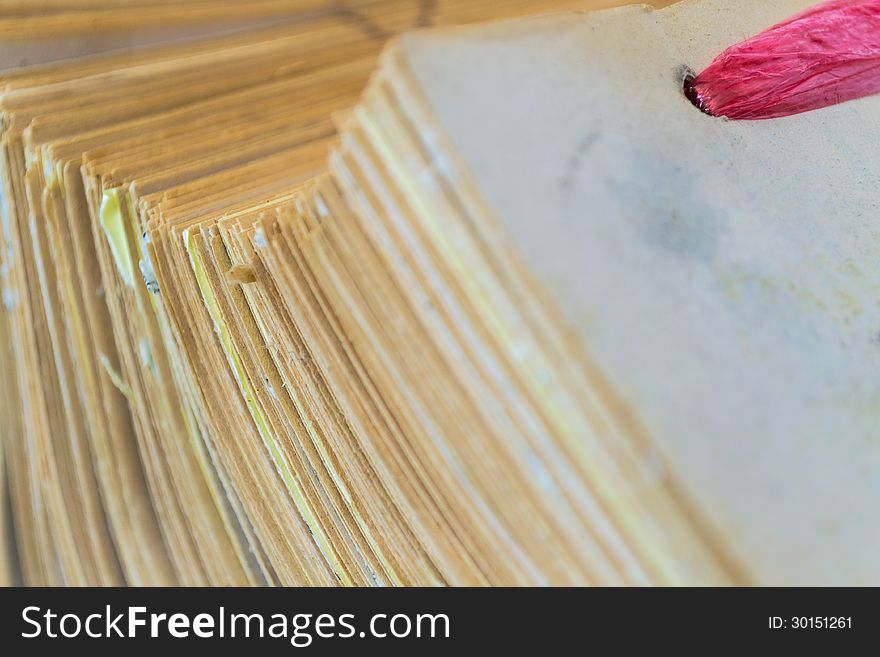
{"x": 516, "y": 314}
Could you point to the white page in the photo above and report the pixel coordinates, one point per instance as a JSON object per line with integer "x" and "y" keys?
{"x": 724, "y": 276}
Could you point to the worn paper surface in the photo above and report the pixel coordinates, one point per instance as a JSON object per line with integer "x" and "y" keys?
{"x": 724, "y": 275}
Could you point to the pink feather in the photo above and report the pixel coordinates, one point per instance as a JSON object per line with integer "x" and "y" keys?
{"x": 826, "y": 55}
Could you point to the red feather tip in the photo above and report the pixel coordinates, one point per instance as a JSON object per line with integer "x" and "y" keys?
{"x": 828, "y": 54}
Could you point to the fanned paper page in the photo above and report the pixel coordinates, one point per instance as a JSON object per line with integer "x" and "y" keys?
{"x": 39, "y": 31}
{"x": 722, "y": 276}
{"x": 155, "y": 431}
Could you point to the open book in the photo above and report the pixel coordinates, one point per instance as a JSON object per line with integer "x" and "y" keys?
{"x": 516, "y": 313}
